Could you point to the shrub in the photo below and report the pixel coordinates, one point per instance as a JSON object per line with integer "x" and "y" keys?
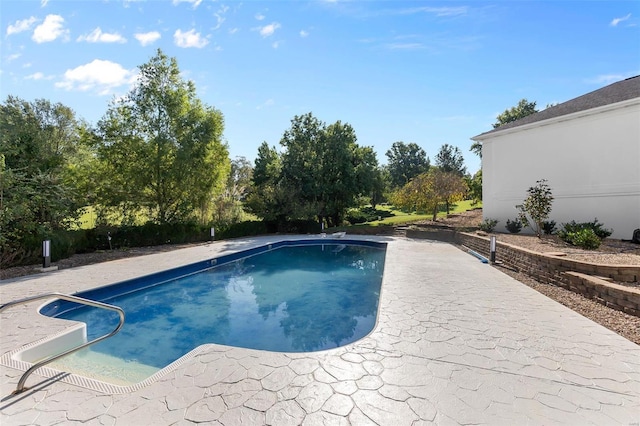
{"x": 488, "y": 225}
{"x": 299, "y": 226}
{"x": 572, "y": 227}
{"x": 514, "y": 226}
{"x": 585, "y": 238}
{"x": 356, "y": 216}
{"x": 242, "y": 229}
{"x": 549, "y": 227}
{"x": 366, "y": 214}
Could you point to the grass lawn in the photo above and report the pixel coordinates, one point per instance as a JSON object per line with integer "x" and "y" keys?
{"x": 398, "y": 217}
{"x": 390, "y": 215}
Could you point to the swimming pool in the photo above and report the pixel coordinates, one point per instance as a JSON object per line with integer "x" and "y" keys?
{"x": 291, "y": 296}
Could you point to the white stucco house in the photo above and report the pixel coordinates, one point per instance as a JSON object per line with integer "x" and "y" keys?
{"x": 587, "y": 148}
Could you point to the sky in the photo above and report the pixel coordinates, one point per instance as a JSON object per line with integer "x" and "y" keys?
{"x": 431, "y": 73}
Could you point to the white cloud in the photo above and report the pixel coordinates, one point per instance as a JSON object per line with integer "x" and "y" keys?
{"x": 219, "y": 15}
{"x": 13, "y": 57}
{"x": 22, "y": 25}
{"x": 35, "y": 76}
{"x": 275, "y": 44}
{"x": 195, "y": 3}
{"x": 616, "y": 21}
{"x": 189, "y": 39}
{"x": 303, "y": 33}
{"x": 97, "y": 36}
{"x": 50, "y": 29}
{"x": 233, "y": 31}
{"x": 259, "y": 16}
{"x": 43, "y": 3}
{"x": 98, "y": 76}
{"x": 268, "y": 30}
{"x": 147, "y": 38}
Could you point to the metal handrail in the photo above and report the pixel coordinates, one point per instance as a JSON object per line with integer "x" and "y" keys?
{"x": 69, "y": 298}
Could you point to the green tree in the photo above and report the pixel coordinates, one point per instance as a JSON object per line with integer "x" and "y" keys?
{"x": 326, "y": 166}
{"x": 162, "y": 149}
{"x": 37, "y": 141}
{"x": 476, "y": 148}
{"x": 450, "y": 159}
{"x": 240, "y": 178}
{"x": 320, "y": 174}
{"x": 228, "y": 207}
{"x": 37, "y": 135}
{"x": 514, "y": 113}
{"x": 268, "y": 165}
{"x": 380, "y": 191}
{"x": 475, "y": 186}
{"x": 269, "y": 197}
{"x": 536, "y": 207}
{"x": 405, "y": 161}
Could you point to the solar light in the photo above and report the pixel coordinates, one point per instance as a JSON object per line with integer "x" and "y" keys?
{"x": 213, "y": 234}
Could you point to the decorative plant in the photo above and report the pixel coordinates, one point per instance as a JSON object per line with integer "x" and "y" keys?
{"x": 536, "y": 207}
{"x": 585, "y": 234}
{"x": 549, "y": 227}
{"x": 488, "y": 225}
{"x": 514, "y": 226}
{"x": 585, "y": 238}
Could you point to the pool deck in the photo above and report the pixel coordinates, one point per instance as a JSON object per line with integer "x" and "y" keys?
{"x": 456, "y": 342}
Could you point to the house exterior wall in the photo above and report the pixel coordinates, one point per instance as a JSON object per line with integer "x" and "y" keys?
{"x": 590, "y": 159}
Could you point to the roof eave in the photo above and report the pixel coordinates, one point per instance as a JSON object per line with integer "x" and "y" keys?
{"x": 497, "y": 132}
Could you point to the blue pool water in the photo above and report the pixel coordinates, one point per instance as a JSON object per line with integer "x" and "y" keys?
{"x": 292, "y": 298}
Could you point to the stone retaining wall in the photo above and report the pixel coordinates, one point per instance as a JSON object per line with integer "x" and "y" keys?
{"x": 585, "y": 278}
{"x": 612, "y": 295}
{"x": 547, "y": 266}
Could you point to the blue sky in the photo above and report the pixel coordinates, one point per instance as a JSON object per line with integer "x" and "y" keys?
{"x": 418, "y": 71}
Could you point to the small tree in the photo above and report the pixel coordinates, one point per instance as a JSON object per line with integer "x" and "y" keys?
{"x": 536, "y": 207}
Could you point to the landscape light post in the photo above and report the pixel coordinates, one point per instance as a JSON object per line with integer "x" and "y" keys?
{"x": 492, "y": 249}
{"x": 213, "y": 234}
{"x": 46, "y": 253}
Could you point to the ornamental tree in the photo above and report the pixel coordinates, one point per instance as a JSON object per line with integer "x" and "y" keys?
{"x": 427, "y": 191}
{"x": 536, "y": 207}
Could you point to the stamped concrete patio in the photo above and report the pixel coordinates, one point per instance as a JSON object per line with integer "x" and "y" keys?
{"x": 457, "y": 342}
